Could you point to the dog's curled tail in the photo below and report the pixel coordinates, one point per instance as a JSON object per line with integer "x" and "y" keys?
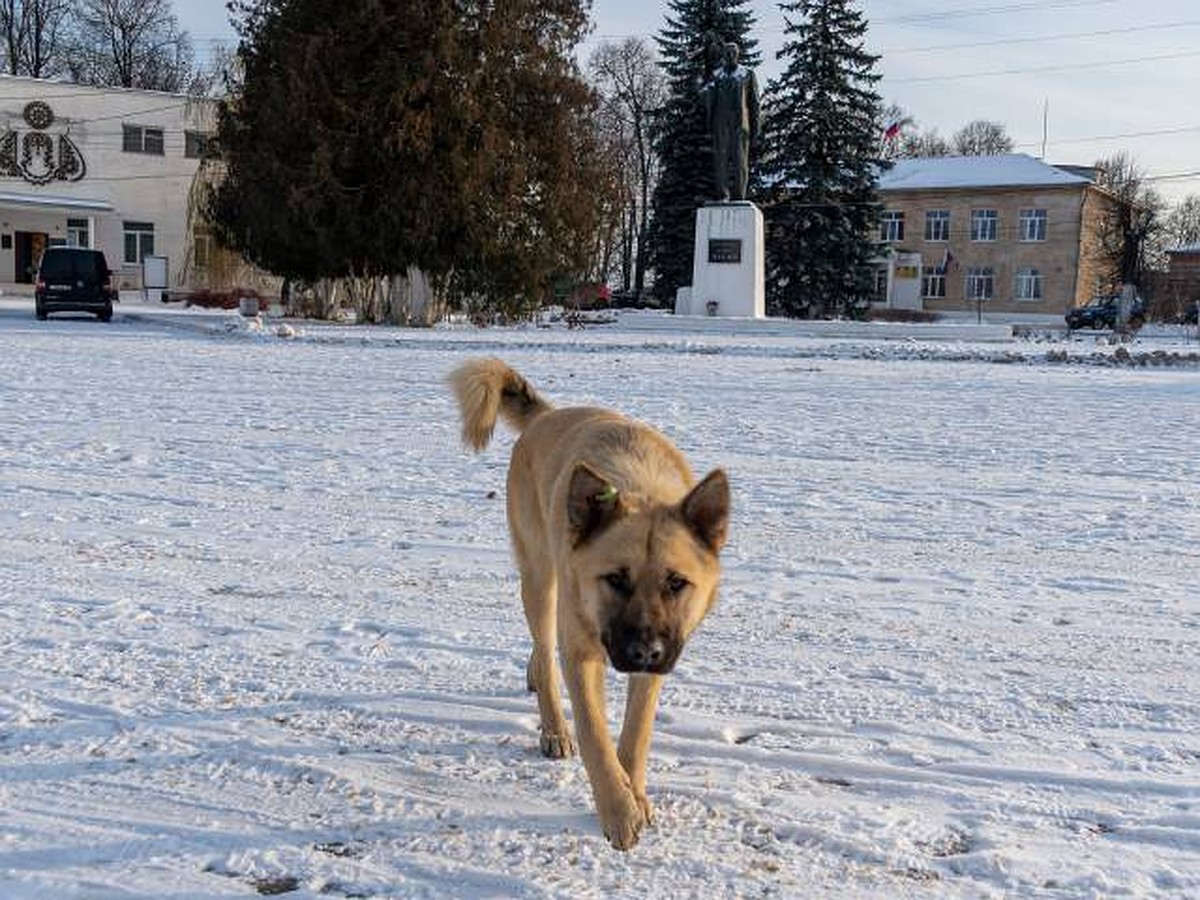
{"x": 487, "y": 389}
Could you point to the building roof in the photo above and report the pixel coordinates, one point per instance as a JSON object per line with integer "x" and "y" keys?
{"x": 1186, "y": 248}
{"x": 17, "y": 199}
{"x": 943, "y": 172}
{"x": 80, "y": 90}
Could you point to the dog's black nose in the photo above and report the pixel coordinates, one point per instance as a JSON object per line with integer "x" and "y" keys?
{"x": 646, "y": 653}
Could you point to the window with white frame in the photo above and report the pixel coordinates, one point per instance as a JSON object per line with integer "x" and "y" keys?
{"x": 1029, "y": 284}
{"x": 1032, "y": 225}
{"x": 933, "y": 285}
{"x": 78, "y": 233}
{"x": 937, "y": 224}
{"x": 891, "y": 226}
{"x": 980, "y": 284}
{"x": 139, "y": 241}
{"x": 983, "y": 224}
{"x": 142, "y": 139}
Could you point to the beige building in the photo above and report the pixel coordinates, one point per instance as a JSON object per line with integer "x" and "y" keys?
{"x": 101, "y": 167}
{"x": 1002, "y": 234}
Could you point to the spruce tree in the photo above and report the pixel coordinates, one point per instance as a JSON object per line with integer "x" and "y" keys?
{"x": 689, "y": 47}
{"x": 821, "y": 143}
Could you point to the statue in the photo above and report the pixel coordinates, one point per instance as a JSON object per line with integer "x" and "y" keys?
{"x": 731, "y": 102}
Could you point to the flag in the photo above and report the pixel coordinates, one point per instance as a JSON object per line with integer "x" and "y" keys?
{"x": 947, "y": 258}
{"x": 892, "y": 131}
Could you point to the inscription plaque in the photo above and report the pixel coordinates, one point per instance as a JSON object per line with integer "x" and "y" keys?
{"x": 724, "y": 250}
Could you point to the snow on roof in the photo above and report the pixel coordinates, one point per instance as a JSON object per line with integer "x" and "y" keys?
{"x": 1186, "y": 248}
{"x": 1010, "y": 170}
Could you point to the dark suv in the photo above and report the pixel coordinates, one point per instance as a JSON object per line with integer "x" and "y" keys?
{"x": 1103, "y": 312}
{"x": 74, "y": 279}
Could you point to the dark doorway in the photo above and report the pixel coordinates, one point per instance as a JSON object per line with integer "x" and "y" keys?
{"x": 27, "y": 251}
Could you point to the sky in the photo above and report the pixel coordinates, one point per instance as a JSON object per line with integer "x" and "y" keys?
{"x": 1081, "y": 79}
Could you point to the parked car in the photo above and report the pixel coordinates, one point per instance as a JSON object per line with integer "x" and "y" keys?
{"x": 1103, "y": 312}
{"x": 74, "y": 279}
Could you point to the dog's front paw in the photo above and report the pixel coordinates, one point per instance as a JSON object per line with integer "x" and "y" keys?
{"x": 646, "y": 806}
{"x": 623, "y": 820}
{"x": 557, "y": 745}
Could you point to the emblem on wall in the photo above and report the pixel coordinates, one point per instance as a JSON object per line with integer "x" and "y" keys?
{"x": 36, "y": 155}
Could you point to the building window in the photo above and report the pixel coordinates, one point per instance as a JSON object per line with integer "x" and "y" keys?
{"x": 202, "y": 248}
{"x": 937, "y": 225}
{"x": 78, "y": 233}
{"x": 933, "y": 285}
{"x": 980, "y": 284}
{"x": 1032, "y": 225}
{"x": 983, "y": 224}
{"x": 1029, "y": 284}
{"x": 139, "y": 241}
{"x": 198, "y": 145}
{"x": 142, "y": 139}
{"x": 891, "y": 226}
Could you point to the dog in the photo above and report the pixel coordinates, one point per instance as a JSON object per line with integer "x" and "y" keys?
{"x": 617, "y": 547}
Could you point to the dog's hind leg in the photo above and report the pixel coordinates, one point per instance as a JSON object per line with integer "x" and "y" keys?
{"x": 538, "y": 594}
{"x": 634, "y": 745}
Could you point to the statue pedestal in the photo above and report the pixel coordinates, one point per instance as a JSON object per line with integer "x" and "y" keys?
{"x": 728, "y": 274}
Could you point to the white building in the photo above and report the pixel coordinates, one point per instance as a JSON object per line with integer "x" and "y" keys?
{"x": 109, "y": 168}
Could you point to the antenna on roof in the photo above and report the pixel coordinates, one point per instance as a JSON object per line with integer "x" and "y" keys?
{"x": 1045, "y": 125}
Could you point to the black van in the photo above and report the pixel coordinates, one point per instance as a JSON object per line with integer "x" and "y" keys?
{"x": 74, "y": 279}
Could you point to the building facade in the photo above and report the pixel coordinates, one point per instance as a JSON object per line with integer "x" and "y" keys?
{"x": 107, "y": 168}
{"x": 1003, "y": 234}
{"x": 1175, "y": 293}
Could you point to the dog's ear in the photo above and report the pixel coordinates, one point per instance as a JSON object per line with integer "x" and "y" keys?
{"x": 706, "y": 510}
{"x": 592, "y": 503}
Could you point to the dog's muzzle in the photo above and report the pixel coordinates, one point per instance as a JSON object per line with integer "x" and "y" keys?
{"x": 633, "y": 650}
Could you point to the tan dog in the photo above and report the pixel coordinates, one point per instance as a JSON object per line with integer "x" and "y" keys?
{"x": 617, "y": 549}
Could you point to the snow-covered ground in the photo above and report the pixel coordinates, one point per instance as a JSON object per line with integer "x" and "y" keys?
{"x": 259, "y": 630}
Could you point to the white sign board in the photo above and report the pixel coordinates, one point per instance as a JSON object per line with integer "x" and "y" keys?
{"x": 154, "y": 272}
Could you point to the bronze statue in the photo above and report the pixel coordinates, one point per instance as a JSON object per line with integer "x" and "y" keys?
{"x": 731, "y": 102}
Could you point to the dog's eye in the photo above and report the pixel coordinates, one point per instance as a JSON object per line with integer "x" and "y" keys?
{"x": 619, "y": 582}
{"x": 676, "y": 584}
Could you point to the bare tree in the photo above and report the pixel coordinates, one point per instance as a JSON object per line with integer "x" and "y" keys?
{"x": 1181, "y": 228}
{"x": 903, "y": 138}
{"x": 924, "y": 143}
{"x": 981, "y": 138}
{"x": 32, "y": 32}
{"x": 894, "y": 124}
{"x": 1129, "y": 232}
{"x": 632, "y": 88}
{"x": 613, "y": 251}
{"x": 132, "y": 43}
{"x": 215, "y": 77}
